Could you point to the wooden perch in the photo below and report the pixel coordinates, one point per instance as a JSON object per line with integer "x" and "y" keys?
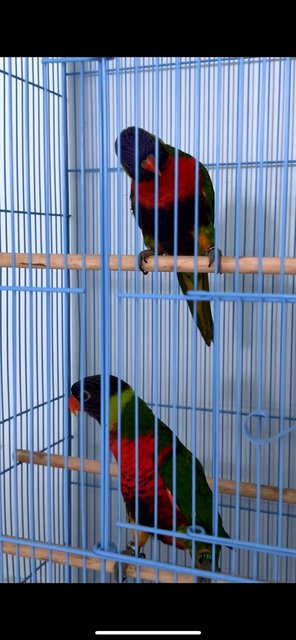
{"x": 57, "y": 461}
{"x": 228, "y": 487}
{"x": 94, "y": 564}
{"x": 270, "y": 266}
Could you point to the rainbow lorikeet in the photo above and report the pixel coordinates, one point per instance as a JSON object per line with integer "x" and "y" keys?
{"x": 166, "y": 197}
{"x": 146, "y": 475}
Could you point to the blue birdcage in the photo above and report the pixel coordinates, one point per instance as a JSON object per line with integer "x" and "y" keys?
{"x": 75, "y": 304}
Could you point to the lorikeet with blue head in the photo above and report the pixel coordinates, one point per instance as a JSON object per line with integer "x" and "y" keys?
{"x": 186, "y": 210}
{"x": 146, "y": 471}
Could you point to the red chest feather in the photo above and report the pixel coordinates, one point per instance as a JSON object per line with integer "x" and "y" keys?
{"x": 166, "y": 184}
{"x": 145, "y": 464}
{"x": 145, "y": 480}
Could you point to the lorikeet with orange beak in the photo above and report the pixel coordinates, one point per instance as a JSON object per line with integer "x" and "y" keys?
{"x": 186, "y": 209}
{"x": 146, "y": 472}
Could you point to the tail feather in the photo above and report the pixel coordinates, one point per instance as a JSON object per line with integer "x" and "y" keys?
{"x": 203, "y": 308}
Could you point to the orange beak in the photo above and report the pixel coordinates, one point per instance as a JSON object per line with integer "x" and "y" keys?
{"x": 74, "y": 405}
{"x": 149, "y": 164}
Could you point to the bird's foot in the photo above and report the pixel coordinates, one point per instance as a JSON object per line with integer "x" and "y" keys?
{"x": 129, "y": 551}
{"x": 205, "y": 563}
{"x": 211, "y": 255}
{"x": 142, "y": 258}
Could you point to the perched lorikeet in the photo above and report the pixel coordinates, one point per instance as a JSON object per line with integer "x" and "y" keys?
{"x": 186, "y": 209}
{"x": 146, "y": 447}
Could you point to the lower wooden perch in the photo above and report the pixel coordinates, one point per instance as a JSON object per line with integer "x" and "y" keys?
{"x": 246, "y": 489}
{"x": 77, "y": 560}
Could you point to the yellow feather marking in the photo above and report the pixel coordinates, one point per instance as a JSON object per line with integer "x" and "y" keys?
{"x": 187, "y": 281}
{"x": 149, "y": 242}
{"x": 142, "y": 535}
{"x": 125, "y": 398}
{"x": 204, "y": 242}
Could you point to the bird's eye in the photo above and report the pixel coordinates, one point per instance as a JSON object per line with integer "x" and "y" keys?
{"x": 86, "y": 396}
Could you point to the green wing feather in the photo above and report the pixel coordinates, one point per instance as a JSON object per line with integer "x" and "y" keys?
{"x": 183, "y": 472}
{"x": 203, "y": 493}
{"x": 203, "y": 309}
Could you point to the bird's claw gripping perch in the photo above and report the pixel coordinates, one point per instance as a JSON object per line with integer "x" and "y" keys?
{"x": 142, "y": 258}
{"x": 205, "y": 563}
{"x": 129, "y": 551}
{"x": 211, "y": 255}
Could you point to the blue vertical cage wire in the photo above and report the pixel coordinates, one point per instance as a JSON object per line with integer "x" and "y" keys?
{"x": 63, "y": 191}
